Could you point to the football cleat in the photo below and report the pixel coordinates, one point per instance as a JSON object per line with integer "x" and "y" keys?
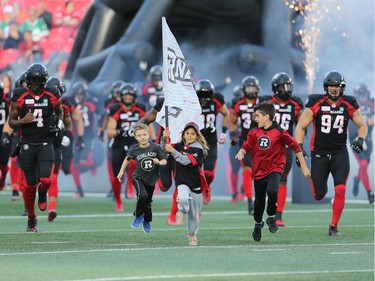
{"x": 272, "y": 226}
{"x": 257, "y": 232}
{"x": 333, "y": 231}
{"x": 31, "y": 224}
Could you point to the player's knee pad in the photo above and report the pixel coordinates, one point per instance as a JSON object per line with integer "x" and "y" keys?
{"x": 46, "y": 183}
{"x": 209, "y": 175}
{"x": 340, "y": 190}
{"x": 363, "y": 164}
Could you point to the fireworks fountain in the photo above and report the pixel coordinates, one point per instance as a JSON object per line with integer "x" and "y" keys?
{"x": 315, "y": 13}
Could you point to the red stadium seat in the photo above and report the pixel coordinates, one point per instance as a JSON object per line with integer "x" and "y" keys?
{"x": 8, "y": 56}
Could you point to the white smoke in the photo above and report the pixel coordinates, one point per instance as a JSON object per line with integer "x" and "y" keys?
{"x": 346, "y": 42}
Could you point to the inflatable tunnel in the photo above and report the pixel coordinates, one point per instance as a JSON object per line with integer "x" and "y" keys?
{"x": 219, "y": 39}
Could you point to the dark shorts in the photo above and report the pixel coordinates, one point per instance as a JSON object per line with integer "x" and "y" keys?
{"x": 209, "y": 162}
{"x": 322, "y": 165}
{"x": 36, "y": 161}
{"x": 118, "y": 156}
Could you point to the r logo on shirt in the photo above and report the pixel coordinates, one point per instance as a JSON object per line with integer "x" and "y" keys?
{"x": 264, "y": 142}
{"x": 147, "y": 164}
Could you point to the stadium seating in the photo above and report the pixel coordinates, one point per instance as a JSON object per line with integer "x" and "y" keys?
{"x": 8, "y": 56}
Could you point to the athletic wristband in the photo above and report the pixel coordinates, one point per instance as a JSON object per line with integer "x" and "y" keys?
{"x": 224, "y": 130}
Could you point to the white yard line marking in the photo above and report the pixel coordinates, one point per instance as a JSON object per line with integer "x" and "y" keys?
{"x": 218, "y": 275}
{"x": 346, "y": 253}
{"x": 176, "y": 228}
{"x": 252, "y": 248}
{"x": 205, "y": 213}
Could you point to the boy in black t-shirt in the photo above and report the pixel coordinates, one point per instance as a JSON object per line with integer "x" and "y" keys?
{"x": 148, "y": 156}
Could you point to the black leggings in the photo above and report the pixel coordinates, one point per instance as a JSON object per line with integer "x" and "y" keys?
{"x": 266, "y": 186}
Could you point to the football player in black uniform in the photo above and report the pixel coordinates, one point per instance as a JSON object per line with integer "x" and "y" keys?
{"x": 233, "y": 149}
{"x": 122, "y": 118}
{"x": 367, "y": 110}
{"x": 83, "y": 159}
{"x": 243, "y": 111}
{"x": 212, "y": 104}
{"x": 153, "y": 89}
{"x": 330, "y": 114}
{"x": 288, "y": 109}
{"x": 37, "y": 111}
{"x": 5, "y": 147}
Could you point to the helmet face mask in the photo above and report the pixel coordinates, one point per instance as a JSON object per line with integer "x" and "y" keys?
{"x": 361, "y": 92}
{"x": 205, "y": 91}
{"x": 250, "y": 87}
{"x": 128, "y": 94}
{"x": 282, "y": 86}
{"x": 156, "y": 76}
{"x": 79, "y": 91}
{"x": 36, "y": 77}
{"x": 336, "y": 80}
{"x": 284, "y": 91}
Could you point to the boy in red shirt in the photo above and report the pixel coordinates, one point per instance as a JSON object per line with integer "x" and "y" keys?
{"x": 267, "y": 144}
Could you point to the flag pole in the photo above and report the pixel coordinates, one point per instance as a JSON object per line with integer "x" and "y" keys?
{"x": 168, "y": 140}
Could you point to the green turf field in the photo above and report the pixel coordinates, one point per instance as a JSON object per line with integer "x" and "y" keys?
{"x": 89, "y": 241}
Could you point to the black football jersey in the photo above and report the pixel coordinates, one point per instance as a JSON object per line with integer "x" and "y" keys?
{"x": 4, "y": 110}
{"x": 126, "y": 119}
{"x": 42, "y": 107}
{"x": 286, "y": 112}
{"x": 330, "y": 126}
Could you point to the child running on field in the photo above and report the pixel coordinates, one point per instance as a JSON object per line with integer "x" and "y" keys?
{"x": 148, "y": 156}
{"x": 189, "y": 155}
{"x": 267, "y": 144}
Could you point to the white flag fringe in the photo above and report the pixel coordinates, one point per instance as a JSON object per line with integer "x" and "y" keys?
{"x": 179, "y": 93}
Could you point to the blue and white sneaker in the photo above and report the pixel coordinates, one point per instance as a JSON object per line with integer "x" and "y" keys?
{"x": 137, "y": 222}
{"x": 146, "y": 227}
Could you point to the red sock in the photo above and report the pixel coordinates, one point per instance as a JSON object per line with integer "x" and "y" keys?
{"x": 174, "y": 207}
{"x": 14, "y": 174}
{"x": 234, "y": 182}
{"x": 281, "y": 198}
{"x": 110, "y": 171}
{"x": 76, "y": 175}
{"x": 338, "y": 203}
{"x": 117, "y": 191}
{"x": 363, "y": 174}
{"x": 53, "y": 192}
{"x": 53, "y": 189}
{"x": 29, "y": 197}
{"x": 52, "y": 204}
{"x": 247, "y": 182}
{"x": 131, "y": 168}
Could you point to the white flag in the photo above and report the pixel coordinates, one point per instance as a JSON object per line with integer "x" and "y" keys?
{"x": 179, "y": 93}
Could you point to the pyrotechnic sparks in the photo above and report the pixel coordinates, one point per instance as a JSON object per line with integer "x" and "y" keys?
{"x": 316, "y": 14}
